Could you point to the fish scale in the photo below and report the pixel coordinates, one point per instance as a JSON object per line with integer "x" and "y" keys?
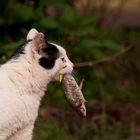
{"x": 74, "y": 94}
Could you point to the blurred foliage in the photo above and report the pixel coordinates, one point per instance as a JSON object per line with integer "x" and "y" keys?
{"x": 50, "y": 131}
{"x": 60, "y": 22}
{"x": 84, "y": 40}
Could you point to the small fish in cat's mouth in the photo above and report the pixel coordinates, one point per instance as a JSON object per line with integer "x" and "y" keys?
{"x": 74, "y": 94}
{"x": 59, "y": 77}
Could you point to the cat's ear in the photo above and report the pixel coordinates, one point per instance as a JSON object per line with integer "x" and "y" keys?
{"x": 38, "y": 43}
{"x": 31, "y": 34}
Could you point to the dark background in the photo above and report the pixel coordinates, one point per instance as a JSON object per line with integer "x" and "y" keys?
{"x": 102, "y": 39}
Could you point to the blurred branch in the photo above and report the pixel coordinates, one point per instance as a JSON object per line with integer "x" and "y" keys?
{"x": 104, "y": 60}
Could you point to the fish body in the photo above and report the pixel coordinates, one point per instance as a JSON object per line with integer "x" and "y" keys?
{"x": 74, "y": 94}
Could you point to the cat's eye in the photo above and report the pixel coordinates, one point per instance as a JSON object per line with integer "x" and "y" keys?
{"x": 63, "y": 59}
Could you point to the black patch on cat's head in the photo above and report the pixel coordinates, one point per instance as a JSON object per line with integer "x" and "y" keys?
{"x": 47, "y": 63}
{"x": 51, "y": 54}
{"x": 51, "y": 51}
{"x": 20, "y": 49}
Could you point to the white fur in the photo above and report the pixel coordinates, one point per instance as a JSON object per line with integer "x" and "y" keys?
{"x": 22, "y": 85}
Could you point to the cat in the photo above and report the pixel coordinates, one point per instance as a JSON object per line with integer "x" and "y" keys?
{"x": 23, "y": 82}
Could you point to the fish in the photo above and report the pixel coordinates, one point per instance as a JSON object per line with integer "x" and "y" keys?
{"x": 74, "y": 94}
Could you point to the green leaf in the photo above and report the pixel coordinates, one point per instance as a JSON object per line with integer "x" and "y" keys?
{"x": 47, "y": 22}
{"x": 89, "y": 43}
{"x": 20, "y": 12}
{"x": 69, "y": 16}
{"x": 88, "y": 20}
{"x": 111, "y": 45}
{"x": 87, "y": 31}
{"x": 8, "y": 49}
{"x": 98, "y": 54}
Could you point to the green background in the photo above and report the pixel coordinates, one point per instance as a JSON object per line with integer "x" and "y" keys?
{"x": 111, "y": 85}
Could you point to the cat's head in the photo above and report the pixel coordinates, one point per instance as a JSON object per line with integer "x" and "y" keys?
{"x": 49, "y": 56}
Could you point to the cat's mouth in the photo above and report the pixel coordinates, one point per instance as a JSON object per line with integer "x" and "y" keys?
{"x": 59, "y": 76}
{"x": 65, "y": 70}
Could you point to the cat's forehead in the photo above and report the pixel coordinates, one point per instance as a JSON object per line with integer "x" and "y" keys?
{"x": 62, "y": 51}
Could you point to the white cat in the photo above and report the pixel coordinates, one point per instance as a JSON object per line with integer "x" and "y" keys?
{"x": 23, "y": 81}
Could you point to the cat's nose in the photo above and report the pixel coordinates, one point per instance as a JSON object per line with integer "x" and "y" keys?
{"x": 70, "y": 65}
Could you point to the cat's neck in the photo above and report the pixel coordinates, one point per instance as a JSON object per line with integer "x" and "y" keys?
{"x": 26, "y": 76}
